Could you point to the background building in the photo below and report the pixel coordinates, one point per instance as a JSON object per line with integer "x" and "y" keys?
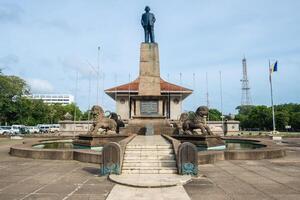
{"x": 64, "y": 99}
{"x": 172, "y": 107}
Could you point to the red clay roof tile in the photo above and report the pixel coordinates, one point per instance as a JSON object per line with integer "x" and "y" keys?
{"x": 134, "y": 86}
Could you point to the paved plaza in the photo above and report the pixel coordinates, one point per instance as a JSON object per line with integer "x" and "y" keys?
{"x": 22, "y": 178}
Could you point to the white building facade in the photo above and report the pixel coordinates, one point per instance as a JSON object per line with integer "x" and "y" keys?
{"x": 63, "y": 99}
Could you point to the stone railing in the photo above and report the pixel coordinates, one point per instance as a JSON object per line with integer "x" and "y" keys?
{"x": 175, "y": 143}
{"x": 112, "y": 156}
{"x": 188, "y": 159}
{"x": 186, "y": 155}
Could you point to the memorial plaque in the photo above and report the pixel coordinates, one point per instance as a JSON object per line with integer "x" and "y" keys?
{"x": 149, "y": 107}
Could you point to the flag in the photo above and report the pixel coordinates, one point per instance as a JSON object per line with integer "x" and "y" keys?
{"x": 273, "y": 67}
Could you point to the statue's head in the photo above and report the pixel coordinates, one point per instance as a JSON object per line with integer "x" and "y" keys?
{"x": 114, "y": 116}
{"x": 202, "y": 111}
{"x": 97, "y": 111}
{"x": 183, "y": 117}
{"x": 147, "y": 8}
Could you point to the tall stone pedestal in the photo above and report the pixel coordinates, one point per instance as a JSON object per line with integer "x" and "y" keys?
{"x": 139, "y": 124}
{"x": 149, "y": 101}
{"x": 148, "y": 105}
{"x": 149, "y": 70}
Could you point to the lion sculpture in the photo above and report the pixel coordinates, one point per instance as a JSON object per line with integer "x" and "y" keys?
{"x": 100, "y": 121}
{"x": 183, "y": 120}
{"x": 118, "y": 120}
{"x": 190, "y": 126}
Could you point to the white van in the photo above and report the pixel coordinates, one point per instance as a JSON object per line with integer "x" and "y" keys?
{"x": 18, "y": 129}
{"x": 44, "y": 128}
{"x": 32, "y": 129}
{"x": 54, "y": 128}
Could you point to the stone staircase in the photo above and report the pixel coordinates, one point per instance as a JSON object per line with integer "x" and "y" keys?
{"x": 149, "y": 155}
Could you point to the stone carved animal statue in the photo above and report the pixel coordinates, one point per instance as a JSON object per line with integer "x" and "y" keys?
{"x": 198, "y": 122}
{"x": 100, "y": 121}
{"x": 118, "y": 120}
{"x": 183, "y": 120}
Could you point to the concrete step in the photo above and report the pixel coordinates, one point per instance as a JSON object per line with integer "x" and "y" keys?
{"x": 149, "y": 147}
{"x": 149, "y": 164}
{"x": 150, "y": 152}
{"x": 148, "y": 157}
{"x": 149, "y": 160}
{"x": 155, "y": 152}
{"x": 149, "y": 171}
{"x": 148, "y": 167}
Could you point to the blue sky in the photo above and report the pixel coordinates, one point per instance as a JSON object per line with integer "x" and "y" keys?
{"x": 47, "y": 42}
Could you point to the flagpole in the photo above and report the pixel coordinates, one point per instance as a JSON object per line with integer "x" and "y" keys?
{"x": 272, "y": 103}
{"x": 98, "y": 73}
{"x": 207, "y": 99}
{"x": 129, "y": 100}
{"x": 221, "y": 98}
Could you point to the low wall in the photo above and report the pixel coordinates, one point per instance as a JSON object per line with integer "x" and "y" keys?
{"x": 270, "y": 151}
{"x": 264, "y": 153}
{"x": 87, "y": 156}
{"x": 210, "y": 157}
{"x": 26, "y": 151}
{"x": 204, "y": 157}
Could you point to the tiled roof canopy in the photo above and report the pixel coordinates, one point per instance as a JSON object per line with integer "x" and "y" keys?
{"x": 134, "y": 86}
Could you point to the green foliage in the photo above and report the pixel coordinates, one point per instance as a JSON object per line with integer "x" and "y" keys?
{"x": 214, "y": 115}
{"x": 295, "y": 120}
{"x": 11, "y": 89}
{"x": 16, "y": 109}
{"x": 260, "y": 117}
{"x": 85, "y": 115}
{"x": 57, "y": 112}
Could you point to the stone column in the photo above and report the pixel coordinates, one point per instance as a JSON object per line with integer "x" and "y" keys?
{"x": 149, "y": 70}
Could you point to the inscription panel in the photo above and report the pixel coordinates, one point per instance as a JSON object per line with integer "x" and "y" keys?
{"x": 149, "y": 107}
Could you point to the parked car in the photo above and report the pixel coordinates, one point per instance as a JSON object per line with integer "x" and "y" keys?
{"x": 18, "y": 129}
{"x": 32, "y": 129}
{"x": 44, "y": 128}
{"x": 6, "y": 130}
{"x": 54, "y": 128}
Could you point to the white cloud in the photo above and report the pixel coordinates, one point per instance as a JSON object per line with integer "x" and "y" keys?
{"x": 74, "y": 63}
{"x": 40, "y": 85}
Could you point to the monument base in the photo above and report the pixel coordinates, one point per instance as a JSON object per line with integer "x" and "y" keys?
{"x": 138, "y": 125}
{"x": 97, "y": 140}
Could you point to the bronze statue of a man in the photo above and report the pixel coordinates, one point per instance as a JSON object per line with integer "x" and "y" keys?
{"x": 147, "y": 21}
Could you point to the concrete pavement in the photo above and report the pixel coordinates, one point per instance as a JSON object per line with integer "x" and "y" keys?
{"x": 22, "y": 178}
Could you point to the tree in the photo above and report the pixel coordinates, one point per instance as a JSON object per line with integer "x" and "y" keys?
{"x": 295, "y": 121}
{"x": 243, "y": 116}
{"x": 71, "y": 108}
{"x": 17, "y": 109}
{"x": 282, "y": 119}
{"x": 11, "y": 88}
{"x": 214, "y": 115}
{"x": 260, "y": 117}
{"x": 86, "y": 115}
